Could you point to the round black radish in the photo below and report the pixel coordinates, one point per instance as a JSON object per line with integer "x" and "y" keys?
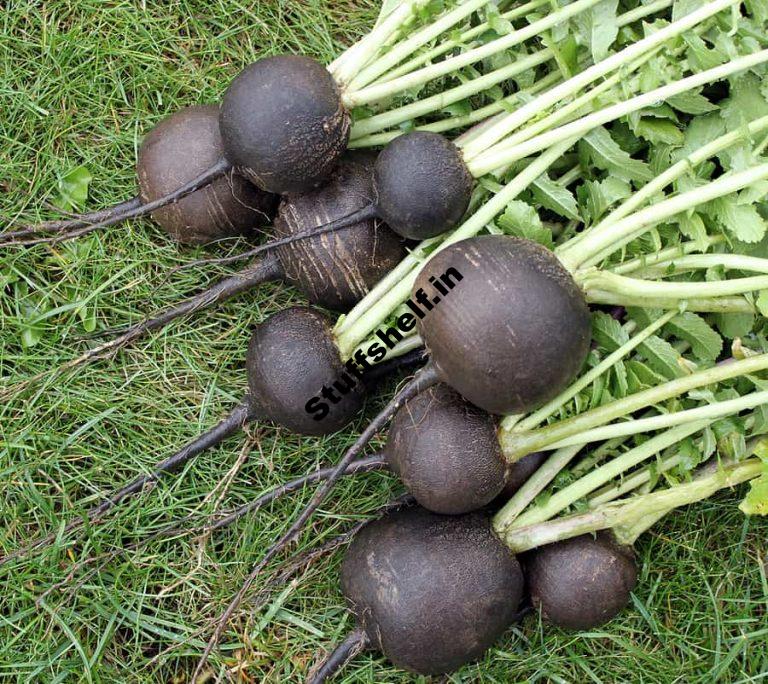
{"x": 446, "y": 452}
{"x": 423, "y": 186}
{"x": 337, "y": 269}
{"x": 513, "y": 330}
{"x": 177, "y": 150}
{"x": 583, "y": 582}
{"x": 291, "y": 359}
{"x": 283, "y": 123}
{"x": 431, "y": 592}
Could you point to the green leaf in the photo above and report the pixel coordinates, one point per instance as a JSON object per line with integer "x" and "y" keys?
{"x": 645, "y": 375}
{"x": 762, "y": 302}
{"x": 621, "y": 384}
{"x": 699, "y": 132}
{"x": 746, "y": 102}
{"x": 700, "y": 55}
{"x": 682, "y": 8}
{"x": 566, "y": 53}
{"x": 734, "y": 325}
{"x": 521, "y": 220}
{"x": 596, "y": 196}
{"x": 497, "y": 23}
{"x": 758, "y": 9}
{"x": 693, "y": 228}
{"x": 608, "y": 332}
{"x": 31, "y": 336}
{"x": 458, "y": 109}
{"x": 87, "y": 316}
{"x": 662, "y": 357}
{"x": 659, "y": 131}
{"x": 705, "y": 342}
{"x": 607, "y": 155}
{"x": 598, "y": 28}
{"x": 73, "y": 189}
{"x": 756, "y": 501}
{"x": 555, "y": 197}
{"x": 741, "y": 220}
{"x": 691, "y": 102}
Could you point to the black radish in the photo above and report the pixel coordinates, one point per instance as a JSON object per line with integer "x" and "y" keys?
{"x": 421, "y": 187}
{"x": 283, "y": 123}
{"x": 516, "y": 329}
{"x": 431, "y": 592}
{"x": 583, "y": 582}
{"x": 446, "y": 452}
{"x": 336, "y": 270}
{"x": 176, "y": 151}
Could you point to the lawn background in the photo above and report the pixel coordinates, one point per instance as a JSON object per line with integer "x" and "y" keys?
{"x": 80, "y": 83}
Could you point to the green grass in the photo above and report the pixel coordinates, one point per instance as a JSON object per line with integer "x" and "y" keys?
{"x": 80, "y": 83}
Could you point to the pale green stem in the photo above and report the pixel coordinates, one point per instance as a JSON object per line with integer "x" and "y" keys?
{"x": 629, "y": 519}
{"x": 358, "y": 56}
{"x": 693, "y": 304}
{"x": 454, "y": 122}
{"x": 696, "y": 262}
{"x": 581, "y": 105}
{"x": 674, "y": 172}
{"x": 415, "y": 257}
{"x": 709, "y": 412}
{"x": 550, "y": 408}
{"x": 494, "y": 159}
{"x": 461, "y": 40}
{"x": 603, "y": 281}
{"x": 407, "y": 47}
{"x": 642, "y": 477}
{"x": 536, "y": 484}
{"x": 665, "y": 256}
{"x": 379, "y": 122}
{"x": 633, "y": 482}
{"x": 516, "y": 444}
{"x": 441, "y": 100}
{"x": 602, "y": 452}
{"x": 375, "y": 93}
{"x": 570, "y": 176}
{"x": 399, "y": 292}
{"x": 409, "y": 342}
{"x": 617, "y": 234}
{"x": 579, "y": 82}
{"x": 566, "y": 497}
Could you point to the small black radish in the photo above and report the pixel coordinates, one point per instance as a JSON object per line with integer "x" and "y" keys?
{"x": 446, "y": 452}
{"x": 430, "y": 592}
{"x": 583, "y": 582}
{"x": 291, "y": 357}
{"x": 176, "y": 151}
{"x": 336, "y": 270}
{"x": 421, "y": 187}
{"x": 284, "y": 124}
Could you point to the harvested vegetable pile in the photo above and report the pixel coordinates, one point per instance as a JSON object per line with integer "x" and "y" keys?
{"x": 554, "y": 211}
